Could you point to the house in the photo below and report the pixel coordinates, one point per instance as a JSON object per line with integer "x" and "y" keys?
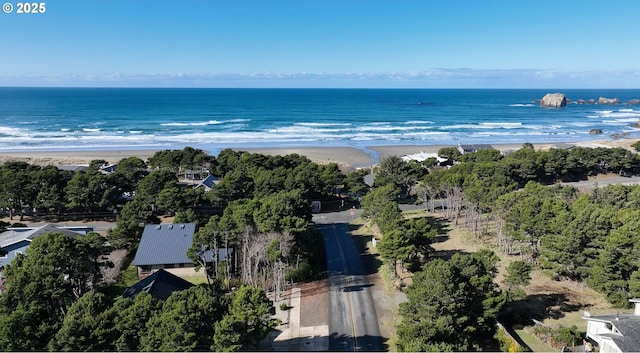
{"x": 473, "y": 148}
{"x": 165, "y": 246}
{"x": 423, "y": 156}
{"x": 615, "y": 333}
{"x": 161, "y": 284}
{"x": 74, "y": 167}
{"x": 107, "y": 168}
{"x": 16, "y": 240}
{"x": 207, "y": 183}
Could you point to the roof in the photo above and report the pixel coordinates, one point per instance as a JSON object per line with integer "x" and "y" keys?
{"x": 166, "y": 243}
{"x": 74, "y": 168}
{"x": 208, "y": 182}
{"x": 629, "y": 327}
{"x": 474, "y": 148}
{"x": 423, "y": 156}
{"x": 160, "y": 284}
{"x": 16, "y": 235}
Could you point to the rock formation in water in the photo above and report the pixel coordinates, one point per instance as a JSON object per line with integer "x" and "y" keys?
{"x": 603, "y": 100}
{"x": 553, "y": 100}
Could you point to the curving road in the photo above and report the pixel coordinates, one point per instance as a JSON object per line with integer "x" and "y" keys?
{"x": 353, "y": 323}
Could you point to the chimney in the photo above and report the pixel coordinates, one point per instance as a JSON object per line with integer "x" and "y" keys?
{"x": 636, "y": 301}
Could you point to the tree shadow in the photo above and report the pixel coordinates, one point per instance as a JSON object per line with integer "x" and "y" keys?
{"x": 441, "y": 225}
{"x": 537, "y": 307}
{"x": 366, "y": 343}
{"x": 370, "y": 262}
{"x": 322, "y": 343}
{"x": 356, "y": 288}
{"x": 447, "y": 254}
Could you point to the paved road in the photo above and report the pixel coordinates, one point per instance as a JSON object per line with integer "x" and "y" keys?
{"x": 353, "y": 324}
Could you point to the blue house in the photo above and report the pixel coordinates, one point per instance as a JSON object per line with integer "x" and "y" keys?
{"x": 16, "y": 240}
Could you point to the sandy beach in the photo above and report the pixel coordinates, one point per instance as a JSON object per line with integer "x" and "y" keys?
{"x": 344, "y": 156}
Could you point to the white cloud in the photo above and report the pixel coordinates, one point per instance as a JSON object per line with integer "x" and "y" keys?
{"x": 432, "y": 78}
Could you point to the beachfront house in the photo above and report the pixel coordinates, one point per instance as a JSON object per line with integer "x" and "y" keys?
{"x": 423, "y": 156}
{"x": 473, "y": 148}
{"x": 161, "y": 284}
{"x": 615, "y": 333}
{"x": 15, "y": 241}
{"x": 165, "y": 246}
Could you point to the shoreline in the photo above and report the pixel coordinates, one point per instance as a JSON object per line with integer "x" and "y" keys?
{"x": 345, "y": 156}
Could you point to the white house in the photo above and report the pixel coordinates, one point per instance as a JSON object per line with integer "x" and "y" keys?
{"x": 615, "y": 333}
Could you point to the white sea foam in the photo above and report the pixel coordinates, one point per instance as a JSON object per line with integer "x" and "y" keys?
{"x": 323, "y": 124}
{"x": 621, "y": 115}
{"x": 418, "y": 122}
{"x": 496, "y": 125}
{"x": 502, "y": 125}
{"x": 198, "y": 123}
{"x": 522, "y": 105}
{"x": 391, "y": 128}
{"x": 7, "y": 130}
{"x": 86, "y": 129}
{"x": 620, "y": 121}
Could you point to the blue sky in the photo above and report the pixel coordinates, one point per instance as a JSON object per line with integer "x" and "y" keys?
{"x": 324, "y": 43}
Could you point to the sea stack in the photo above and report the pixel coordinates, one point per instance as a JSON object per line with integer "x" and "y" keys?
{"x": 603, "y": 100}
{"x": 553, "y": 100}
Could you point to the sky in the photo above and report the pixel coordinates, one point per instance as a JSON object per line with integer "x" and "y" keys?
{"x": 323, "y": 43}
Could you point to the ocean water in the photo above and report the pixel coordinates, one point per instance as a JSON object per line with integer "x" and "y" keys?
{"x": 213, "y": 119}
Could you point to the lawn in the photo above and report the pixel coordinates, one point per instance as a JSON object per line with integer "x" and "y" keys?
{"x": 533, "y": 343}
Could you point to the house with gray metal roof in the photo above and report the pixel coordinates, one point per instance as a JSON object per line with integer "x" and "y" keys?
{"x": 615, "y": 333}
{"x": 165, "y": 246}
{"x": 473, "y": 148}
{"x": 15, "y": 241}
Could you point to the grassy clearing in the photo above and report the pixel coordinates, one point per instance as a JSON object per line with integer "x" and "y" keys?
{"x": 555, "y": 303}
{"x": 533, "y": 343}
{"x": 196, "y": 279}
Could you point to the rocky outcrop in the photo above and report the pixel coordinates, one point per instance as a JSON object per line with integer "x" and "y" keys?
{"x": 633, "y": 101}
{"x": 620, "y": 135}
{"x": 595, "y": 132}
{"x": 603, "y": 100}
{"x": 553, "y": 100}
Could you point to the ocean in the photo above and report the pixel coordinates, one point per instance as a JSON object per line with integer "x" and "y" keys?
{"x": 64, "y": 119}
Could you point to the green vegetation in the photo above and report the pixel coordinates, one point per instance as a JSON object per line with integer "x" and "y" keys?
{"x": 451, "y": 305}
{"x": 586, "y": 237}
{"x": 54, "y": 295}
{"x": 583, "y": 237}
